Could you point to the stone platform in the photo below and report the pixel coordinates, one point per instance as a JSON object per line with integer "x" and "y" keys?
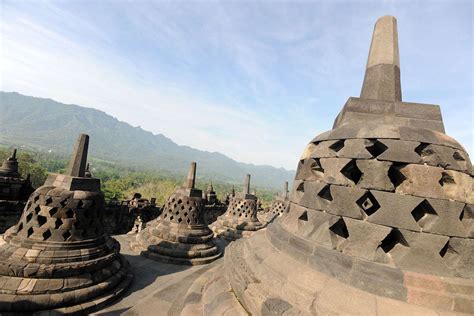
{"x": 205, "y": 290}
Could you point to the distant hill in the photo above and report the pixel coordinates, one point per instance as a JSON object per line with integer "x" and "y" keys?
{"x": 45, "y": 124}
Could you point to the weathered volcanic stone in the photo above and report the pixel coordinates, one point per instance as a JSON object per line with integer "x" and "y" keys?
{"x": 240, "y": 219}
{"x": 381, "y": 207}
{"x": 179, "y": 235}
{"x": 14, "y": 191}
{"x": 57, "y": 257}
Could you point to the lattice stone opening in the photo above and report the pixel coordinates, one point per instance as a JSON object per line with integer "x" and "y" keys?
{"x": 46, "y": 235}
{"x": 29, "y": 232}
{"x": 352, "y": 172}
{"x": 53, "y": 211}
{"x": 420, "y": 150}
{"x": 337, "y": 146}
{"x": 339, "y": 228}
{"x": 63, "y": 202}
{"x": 300, "y": 187}
{"x": 48, "y": 200}
{"x": 446, "y": 178}
{"x": 29, "y": 217}
{"x": 394, "y": 174}
{"x": 80, "y": 204}
{"x": 20, "y": 226}
{"x": 458, "y": 157}
{"x": 325, "y": 193}
{"x": 58, "y": 223}
{"x": 316, "y": 165}
{"x": 304, "y": 216}
{"x": 66, "y": 235}
{"x": 377, "y": 148}
{"x": 424, "y": 214}
{"x": 41, "y": 220}
{"x": 394, "y": 238}
{"x": 69, "y": 213}
{"x": 450, "y": 256}
{"x": 368, "y": 203}
{"x": 37, "y": 209}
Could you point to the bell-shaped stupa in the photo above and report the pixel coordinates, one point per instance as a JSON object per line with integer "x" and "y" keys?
{"x": 179, "y": 235}
{"x": 240, "y": 219}
{"x": 57, "y": 257}
{"x": 380, "y": 216}
{"x": 14, "y": 191}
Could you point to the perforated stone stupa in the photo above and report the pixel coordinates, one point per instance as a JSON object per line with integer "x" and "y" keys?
{"x": 240, "y": 219}
{"x": 14, "y": 191}
{"x": 57, "y": 257}
{"x": 380, "y": 217}
{"x": 179, "y": 235}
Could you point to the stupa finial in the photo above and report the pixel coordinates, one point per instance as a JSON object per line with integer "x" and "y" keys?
{"x": 382, "y": 75}
{"x": 77, "y": 164}
{"x": 191, "y": 178}
{"x": 247, "y": 184}
{"x": 285, "y": 190}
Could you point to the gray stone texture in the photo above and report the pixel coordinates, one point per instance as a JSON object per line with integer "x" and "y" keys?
{"x": 58, "y": 257}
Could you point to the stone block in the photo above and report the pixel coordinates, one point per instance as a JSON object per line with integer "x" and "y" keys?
{"x": 344, "y": 201}
{"x": 447, "y": 219}
{"x": 311, "y": 199}
{"x": 399, "y": 151}
{"x": 364, "y": 238}
{"x": 375, "y": 175}
{"x": 356, "y": 148}
{"x": 378, "y": 279}
{"x": 393, "y": 210}
{"x": 332, "y": 263}
{"x": 332, "y": 171}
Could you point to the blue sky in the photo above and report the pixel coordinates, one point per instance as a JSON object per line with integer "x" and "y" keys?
{"x": 253, "y": 80}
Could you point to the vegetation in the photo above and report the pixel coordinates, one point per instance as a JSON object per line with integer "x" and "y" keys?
{"x": 118, "y": 180}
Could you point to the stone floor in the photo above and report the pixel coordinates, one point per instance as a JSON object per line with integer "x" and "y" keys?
{"x": 152, "y": 280}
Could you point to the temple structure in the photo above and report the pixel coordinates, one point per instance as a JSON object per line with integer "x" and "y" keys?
{"x": 211, "y": 196}
{"x": 240, "y": 219}
{"x": 57, "y": 257}
{"x": 380, "y": 215}
{"x": 14, "y": 191}
{"x": 179, "y": 235}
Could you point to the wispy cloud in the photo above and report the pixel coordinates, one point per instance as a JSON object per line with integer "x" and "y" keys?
{"x": 253, "y": 80}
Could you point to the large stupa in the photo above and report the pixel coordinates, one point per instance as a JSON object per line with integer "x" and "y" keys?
{"x": 380, "y": 216}
{"x": 57, "y": 258}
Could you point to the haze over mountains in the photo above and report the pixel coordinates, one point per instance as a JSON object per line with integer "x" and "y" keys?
{"x": 45, "y": 124}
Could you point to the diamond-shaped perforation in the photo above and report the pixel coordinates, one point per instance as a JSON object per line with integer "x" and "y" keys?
{"x": 46, "y": 235}
{"x": 66, "y": 235}
{"x": 300, "y": 187}
{"x": 41, "y": 220}
{"x": 58, "y": 223}
{"x": 424, "y": 214}
{"x": 325, "y": 193}
{"x": 29, "y": 232}
{"x": 377, "y": 148}
{"x": 37, "y": 209}
{"x": 394, "y": 238}
{"x": 315, "y": 165}
{"x": 52, "y": 211}
{"x": 395, "y": 175}
{"x": 446, "y": 179}
{"x": 352, "y": 172}
{"x": 458, "y": 156}
{"x": 29, "y": 217}
{"x": 69, "y": 213}
{"x": 339, "y": 228}
{"x": 368, "y": 203}
{"x": 304, "y": 216}
{"x": 48, "y": 200}
{"x": 337, "y": 146}
{"x": 20, "y": 226}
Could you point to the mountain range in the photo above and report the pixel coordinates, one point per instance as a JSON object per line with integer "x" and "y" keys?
{"x": 45, "y": 124}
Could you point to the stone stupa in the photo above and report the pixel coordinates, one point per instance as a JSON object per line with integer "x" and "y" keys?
{"x": 14, "y": 191}
{"x": 57, "y": 257}
{"x": 240, "y": 219}
{"x": 280, "y": 202}
{"x": 380, "y": 216}
{"x": 179, "y": 235}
